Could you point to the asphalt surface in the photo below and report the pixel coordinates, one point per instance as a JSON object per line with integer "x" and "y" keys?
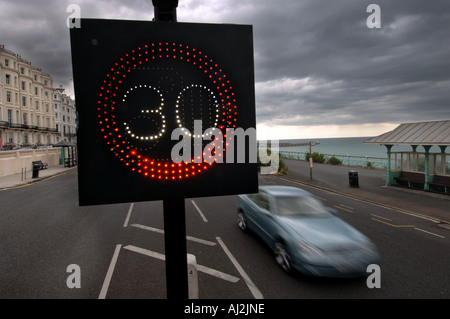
{"x": 43, "y": 231}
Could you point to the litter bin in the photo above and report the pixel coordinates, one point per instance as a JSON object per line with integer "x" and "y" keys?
{"x": 36, "y": 167}
{"x": 353, "y": 178}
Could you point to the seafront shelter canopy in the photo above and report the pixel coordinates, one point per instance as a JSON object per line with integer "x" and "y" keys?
{"x": 70, "y": 160}
{"x": 426, "y": 163}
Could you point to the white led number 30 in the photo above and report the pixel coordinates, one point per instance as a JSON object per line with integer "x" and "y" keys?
{"x": 120, "y": 90}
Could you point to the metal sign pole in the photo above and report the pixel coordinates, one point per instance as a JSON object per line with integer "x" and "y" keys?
{"x": 173, "y": 209}
{"x": 175, "y": 248}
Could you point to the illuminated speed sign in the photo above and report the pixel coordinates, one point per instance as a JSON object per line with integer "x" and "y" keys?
{"x": 166, "y": 110}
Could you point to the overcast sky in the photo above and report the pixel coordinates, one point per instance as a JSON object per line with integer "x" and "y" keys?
{"x": 320, "y": 70}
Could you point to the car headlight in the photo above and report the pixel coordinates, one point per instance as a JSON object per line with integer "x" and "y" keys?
{"x": 309, "y": 249}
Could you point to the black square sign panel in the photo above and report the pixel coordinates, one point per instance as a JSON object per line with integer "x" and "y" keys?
{"x": 165, "y": 110}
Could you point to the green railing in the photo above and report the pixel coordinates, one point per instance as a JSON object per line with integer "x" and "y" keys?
{"x": 350, "y": 160}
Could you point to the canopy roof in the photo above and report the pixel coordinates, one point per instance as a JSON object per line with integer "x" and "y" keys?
{"x": 421, "y": 133}
{"x": 64, "y": 144}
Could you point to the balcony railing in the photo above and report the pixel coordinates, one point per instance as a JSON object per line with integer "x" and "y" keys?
{"x": 27, "y": 127}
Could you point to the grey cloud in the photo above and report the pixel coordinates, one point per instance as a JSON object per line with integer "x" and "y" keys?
{"x": 316, "y": 62}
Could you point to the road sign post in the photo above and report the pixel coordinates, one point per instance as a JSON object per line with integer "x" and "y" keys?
{"x": 174, "y": 229}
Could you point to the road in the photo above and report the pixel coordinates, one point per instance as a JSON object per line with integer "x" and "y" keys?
{"x": 119, "y": 249}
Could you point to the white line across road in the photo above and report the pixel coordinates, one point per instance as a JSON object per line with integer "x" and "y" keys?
{"x": 429, "y": 232}
{"x": 109, "y": 273}
{"x": 160, "y": 231}
{"x": 253, "y": 289}
{"x": 206, "y": 270}
{"x": 199, "y": 211}
{"x": 125, "y": 224}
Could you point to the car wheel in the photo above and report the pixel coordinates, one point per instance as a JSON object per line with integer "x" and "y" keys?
{"x": 242, "y": 221}
{"x": 282, "y": 257}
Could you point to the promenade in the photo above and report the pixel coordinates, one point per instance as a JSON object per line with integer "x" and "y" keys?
{"x": 372, "y": 187}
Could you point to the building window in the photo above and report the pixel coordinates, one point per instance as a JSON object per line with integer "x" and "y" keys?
{"x": 6, "y": 62}
{"x": 24, "y": 101}
{"x": 22, "y": 70}
{"x": 8, "y": 96}
{"x": 23, "y": 85}
{"x": 8, "y": 79}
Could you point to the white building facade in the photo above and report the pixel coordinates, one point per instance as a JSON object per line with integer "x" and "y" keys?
{"x": 65, "y": 116}
{"x": 1, "y": 102}
{"x": 27, "y": 115}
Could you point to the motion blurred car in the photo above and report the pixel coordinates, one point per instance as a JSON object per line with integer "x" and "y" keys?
{"x": 304, "y": 234}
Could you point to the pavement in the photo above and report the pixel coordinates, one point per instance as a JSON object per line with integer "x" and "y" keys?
{"x": 335, "y": 178}
{"x": 371, "y": 188}
{"x": 18, "y": 180}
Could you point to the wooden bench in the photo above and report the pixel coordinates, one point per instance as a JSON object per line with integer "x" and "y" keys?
{"x": 411, "y": 179}
{"x": 440, "y": 182}
{"x": 40, "y": 164}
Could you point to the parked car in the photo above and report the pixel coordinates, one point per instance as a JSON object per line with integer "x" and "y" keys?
{"x": 304, "y": 234}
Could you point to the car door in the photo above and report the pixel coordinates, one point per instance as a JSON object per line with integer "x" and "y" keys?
{"x": 261, "y": 216}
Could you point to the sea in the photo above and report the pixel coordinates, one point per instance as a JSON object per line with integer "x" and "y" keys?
{"x": 350, "y": 150}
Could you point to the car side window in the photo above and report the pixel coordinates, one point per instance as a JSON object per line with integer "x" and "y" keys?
{"x": 261, "y": 199}
{"x": 264, "y": 201}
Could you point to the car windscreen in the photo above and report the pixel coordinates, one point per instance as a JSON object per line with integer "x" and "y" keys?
{"x": 302, "y": 206}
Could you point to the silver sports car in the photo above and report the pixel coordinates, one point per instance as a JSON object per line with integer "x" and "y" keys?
{"x": 304, "y": 234}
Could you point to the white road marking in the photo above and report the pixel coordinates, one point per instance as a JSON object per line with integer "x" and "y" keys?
{"x": 429, "y": 232}
{"x": 125, "y": 224}
{"x": 381, "y": 217}
{"x": 109, "y": 273}
{"x": 160, "y": 231}
{"x": 199, "y": 211}
{"x": 253, "y": 289}
{"x": 155, "y": 230}
{"x": 206, "y": 270}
